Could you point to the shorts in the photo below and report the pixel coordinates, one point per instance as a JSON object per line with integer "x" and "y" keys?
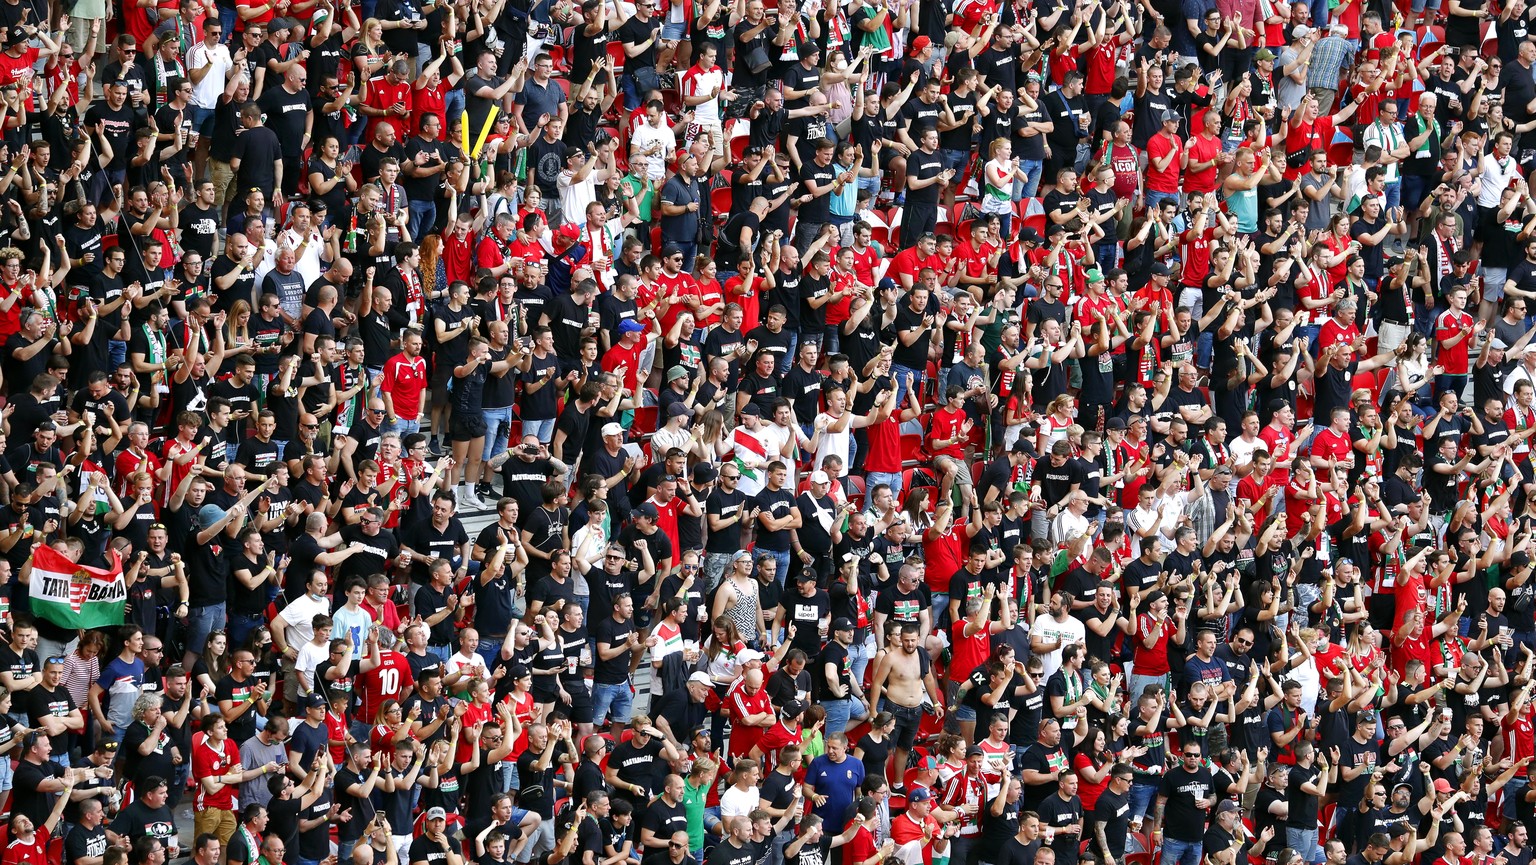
{"x": 7, "y": 776}
{"x": 580, "y": 708}
{"x": 908, "y": 720}
{"x": 202, "y": 120}
{"x": 675, "y": 32}
{"x": 467, "y": 427}
{"x": 203, "y": 620}
{"x": 442, "y": 370}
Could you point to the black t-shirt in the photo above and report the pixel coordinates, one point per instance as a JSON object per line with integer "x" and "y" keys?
{"x": 1183, "y": 820}
{"x": 605, "y": 630}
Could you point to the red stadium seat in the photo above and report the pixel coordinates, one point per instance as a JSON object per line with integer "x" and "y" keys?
{"x": 617, "y": 56}
{"x": 720, "y": 202}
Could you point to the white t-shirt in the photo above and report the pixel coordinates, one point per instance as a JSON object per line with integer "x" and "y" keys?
{"x": 206, "y": 93}
{"x": 735, "y": 802}
{"x": 310, "y": 656}
{"x": 1046, "y": 629}
{"x": 473, "y": 665}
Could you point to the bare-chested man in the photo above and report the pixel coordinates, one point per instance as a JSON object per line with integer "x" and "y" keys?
{"x": 901, "y": 677}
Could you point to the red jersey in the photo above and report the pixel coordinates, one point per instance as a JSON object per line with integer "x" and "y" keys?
{"x": 864, "y": 264}
{"x": 34, "y": 852}
{"x": 943, "y": 556}
{"x": 1454, "y": 358}
{"x": 458, "y": 256}
{"x": 1153, "y": 661}
{"x": 1195, "y": 252}
{"x": 209, "y": 761}
{"x": 1202, "y": 149}
{"x": 946, "y": 427}
{"x": 1304, "y": 137}
{"x": 1333, "y": 445}
{"x": 1158, "y": 147}
{"x": 967, "y": 653}
{"x": 1334, "y": 333}
{"x": 390, "y": 680}
{"x": 1519, "y": 736}
{"x": 741, "y": 704}
{"x": 404, "y": 380}
{"x": 382, "y": 94}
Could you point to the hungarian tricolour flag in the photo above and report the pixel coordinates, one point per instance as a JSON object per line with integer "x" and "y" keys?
{"x": 74, "y": 596}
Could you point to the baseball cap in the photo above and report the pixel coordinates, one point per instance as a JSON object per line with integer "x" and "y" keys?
{"x": 919, "y": 44}
{"x": 1442, "y": 785}
{"x": 820, "y": 477}
{"x": 314, "y": 701}
{"x": 1115, "y": 423}
{"x": 519, "y": 671}
{"x": 436, "y": 814}
{"x": 1029, "y": 235}
{"x": 842, "y": 623}
{"x": 704, "y": 473}
{"x": 281, "y": 24}
{"x": 1301, "y": 32}
{"x": 612, "y": 429}
{"x": 752, "y": 409}
{"x": 1264, "y": 54}
{"x": 974, "y": 751}
{"x": 1227, "y": 806}
{"x": 792, "y": 709}
{"x": 676, "y": 409}
{"x": 647, "y": 510}
{"x": 747, "y": 656}
{"x": 629, "y": 325}
{"x": 701, "y": 677}
{"x": 1160, "y": 269}
{"x": 921, "y": 794}
{"x": 569, "y": 231}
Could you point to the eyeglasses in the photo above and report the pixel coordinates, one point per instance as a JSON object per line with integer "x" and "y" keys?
{"x": 56, "y": 659}
{"x": 375, "y": 411}
{"x": 730, "y": 477}
{"x": 614, "y": 558}
{"x": 309, "y": 426}
{"x": 1192, "y": 755}
{"x": 673, "y": 844}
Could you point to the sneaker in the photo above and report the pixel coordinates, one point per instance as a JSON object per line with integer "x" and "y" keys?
{"x": 485, "y": 491}
{"x": 435, "y": 449}
{"x": 468, "y": 501}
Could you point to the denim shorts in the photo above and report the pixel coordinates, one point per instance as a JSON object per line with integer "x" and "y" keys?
{"x": 202, "y": 120}
{"x": 201, "y": 621}
{"x": 676, "y": 32}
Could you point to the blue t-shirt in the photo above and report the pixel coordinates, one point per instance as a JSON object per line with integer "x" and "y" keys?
{"x": 121, "y": 680}
{"x": 358, "y": 624}
{"x": 837, "y": 782}
{"x": 1212, "y": 672}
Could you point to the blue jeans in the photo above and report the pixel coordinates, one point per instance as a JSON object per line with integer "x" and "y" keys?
{"x": 899, "y": 373}
{"x": 423, "y": 213}
{"x": 201, "y": 621}
{"x": 784, "y": 559}
{"x": 1303, "y": 841}
{"x": 117, "y": 353}
{"x": 890, "y": 479}
{"x": 227, "y": 18}
{"x": 1030, "y": 186}
{"x": 859, "y": 656}
{"x": 1176, "y": 852}
{"x": 1154, "y": 198}
{"x": 241, "y": 625}
{"x": 841, "y": 712}
{"x": 1143, "y": 793}
{"x": 403, "y": 427}
{"x": 498, "y": 424}
{"x": 940, "y": 607}
{"x": 543, "y": 429}
{"x": 618, "y": 699}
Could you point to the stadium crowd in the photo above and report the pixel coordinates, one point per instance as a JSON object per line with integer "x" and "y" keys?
{"x": 934, "y": 432}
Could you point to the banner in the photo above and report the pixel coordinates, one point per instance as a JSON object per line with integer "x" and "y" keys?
{"x": 74, "y": 596}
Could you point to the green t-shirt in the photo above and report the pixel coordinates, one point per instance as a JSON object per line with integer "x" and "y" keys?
{"x": 644, "y": 193}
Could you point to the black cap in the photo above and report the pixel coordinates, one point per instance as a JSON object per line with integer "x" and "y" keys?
{"x": 1160, "y": 269}
{"x": 519, "y": 671}
{"x": 647, "y": 510}
{"x": 704, "y": 473}
{"x": 974, "y": 751}
{"x": 1116, "y": 423}
{"x": 792, "y": 709}
{"x": 1029, "y": 235}
{"x": 842, "y": 623}
{"x": 752, "y": 409}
